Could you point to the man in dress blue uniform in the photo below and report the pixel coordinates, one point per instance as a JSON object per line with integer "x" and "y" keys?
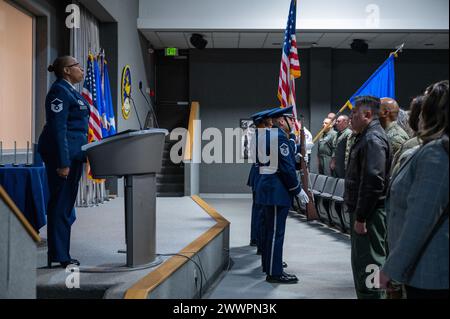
{"x": 277, "y": 185}
{"x": 261, "y": 121}
{"x": 65, "y": 131}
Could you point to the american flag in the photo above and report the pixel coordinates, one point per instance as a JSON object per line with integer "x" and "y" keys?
{"x": 290, "y": 64}
{"x": 89, "y": 92}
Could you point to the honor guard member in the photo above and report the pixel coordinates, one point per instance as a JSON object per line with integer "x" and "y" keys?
{"x": 276, "y": 187}
{"x": 65, "y": 131}
{"x": 261, "y": 122}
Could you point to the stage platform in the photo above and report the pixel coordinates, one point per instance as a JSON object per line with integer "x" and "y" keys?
{"x": 186, "y": 226}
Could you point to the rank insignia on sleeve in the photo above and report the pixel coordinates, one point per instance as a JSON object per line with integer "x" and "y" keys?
{"x": 56, "y": 105}
{"x": 284, "y": 149}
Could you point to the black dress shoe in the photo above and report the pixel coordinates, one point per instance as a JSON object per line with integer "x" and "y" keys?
{"x": 75, "y": 262}
{"x": 259, "y": 252}
{"x": 253, "y": 243}
{"x": 290, "y": 275}
{"x": 62, "y": 264}
{"x": 284, "y": 265}
{"x": 281, "y": 279}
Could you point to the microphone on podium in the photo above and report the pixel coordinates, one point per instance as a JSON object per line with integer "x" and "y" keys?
{"x": 137, "y": 114}
{"x": 149, "y": 104}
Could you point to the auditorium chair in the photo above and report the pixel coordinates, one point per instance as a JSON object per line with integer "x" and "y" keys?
{"x": 318, "y": 188}
{"x": 336, "y": 206}
{"x": 324, "y": 200}
{"x": 312, "y": 180}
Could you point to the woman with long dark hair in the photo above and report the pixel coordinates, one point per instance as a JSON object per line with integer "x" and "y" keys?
{"x": 417, "y": 207}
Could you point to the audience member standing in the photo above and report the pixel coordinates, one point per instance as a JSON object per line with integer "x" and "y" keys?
{"x": 326, "y": 147}
{"x": 365, "y": 188}
{"x": 350, "y": 141}
{"x": 411, "y": 145}
{"x": 337, "y": 165}
{"x": 309, "y": 145}
{"x": 403, "y": 121}
{"x": 417, "y": 207}
{"x": 388, "y": 118}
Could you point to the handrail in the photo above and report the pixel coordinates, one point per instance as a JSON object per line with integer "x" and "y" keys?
{"x": 142, "y": 288}
{"x": 16, "y": 211}
{"x": 193, "y": 115}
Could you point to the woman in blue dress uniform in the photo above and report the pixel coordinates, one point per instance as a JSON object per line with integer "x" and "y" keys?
{"x": 65, "y": 131}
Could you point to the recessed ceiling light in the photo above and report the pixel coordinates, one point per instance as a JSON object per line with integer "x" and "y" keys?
{"x": 276, "y": 43}
{"x": 429, "y": 44}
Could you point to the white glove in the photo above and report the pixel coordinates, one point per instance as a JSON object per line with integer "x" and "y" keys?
{"x": 303, "y": 197}
{"x": 298, "y": 157}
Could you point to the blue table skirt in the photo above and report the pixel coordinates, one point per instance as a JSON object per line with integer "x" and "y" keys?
{"x": 27, "y": 186}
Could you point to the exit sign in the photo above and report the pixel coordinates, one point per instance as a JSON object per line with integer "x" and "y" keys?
{"x": 171, "y": 52}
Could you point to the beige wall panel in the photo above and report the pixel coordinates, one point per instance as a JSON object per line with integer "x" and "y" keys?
{"x": 16, "y": 76}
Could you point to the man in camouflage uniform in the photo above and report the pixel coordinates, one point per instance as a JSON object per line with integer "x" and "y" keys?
{"x": 389, "y": 110}
{"x": 337, "y": 165}
{"x": 350, "y": 141}
{"x": 326, "y": 148}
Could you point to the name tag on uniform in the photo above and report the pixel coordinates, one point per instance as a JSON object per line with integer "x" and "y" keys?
{"x": 82, "y": 105}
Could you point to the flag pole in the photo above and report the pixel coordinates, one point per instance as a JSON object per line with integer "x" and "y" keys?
{"x": 399, "y": 49}
{"x": 395, "y": 53}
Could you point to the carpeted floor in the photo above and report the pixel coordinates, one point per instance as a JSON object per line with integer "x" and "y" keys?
{"x": 318, "y": 255}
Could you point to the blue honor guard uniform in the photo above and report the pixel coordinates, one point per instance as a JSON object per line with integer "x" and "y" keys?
{"x": 65, "y": 131}
{"x": 277, "y": 185}
{"x": 257, "y": 219}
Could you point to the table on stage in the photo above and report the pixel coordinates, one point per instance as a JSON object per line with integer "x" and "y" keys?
{"x": 27, "y": 186}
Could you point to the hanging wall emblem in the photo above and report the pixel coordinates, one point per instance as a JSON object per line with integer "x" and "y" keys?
{"x": 126, "y": 92}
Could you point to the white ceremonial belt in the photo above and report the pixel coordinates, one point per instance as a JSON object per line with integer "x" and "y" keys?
{"x": 267, "y": 170}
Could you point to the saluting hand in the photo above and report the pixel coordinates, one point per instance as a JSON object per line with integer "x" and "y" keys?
{"x": 63, "y": 172}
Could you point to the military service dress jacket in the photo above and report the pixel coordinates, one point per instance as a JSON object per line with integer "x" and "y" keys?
{"x": 278, "y": 182}
{"x": 66, "y": 128}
